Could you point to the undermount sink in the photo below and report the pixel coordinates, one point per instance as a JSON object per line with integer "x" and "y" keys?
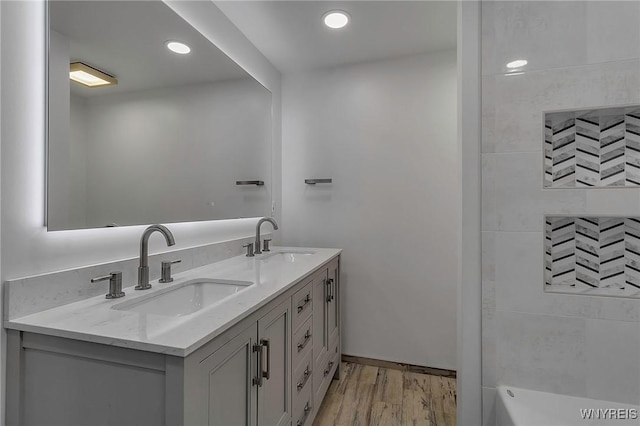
{"x": 287, "y": 256}
{"x": 186, "y": 298}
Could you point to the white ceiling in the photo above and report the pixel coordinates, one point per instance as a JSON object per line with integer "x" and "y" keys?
{"x": 292, "y": 36}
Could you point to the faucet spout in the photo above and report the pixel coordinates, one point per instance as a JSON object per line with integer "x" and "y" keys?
{"x": 143, "y": 269}
{"x": 273, "y": 222}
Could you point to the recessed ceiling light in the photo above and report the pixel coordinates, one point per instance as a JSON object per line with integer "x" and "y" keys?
{"x": 177, "y": 47}
{"x": 336, "y": 19}
{"x": 517, "y": 63}
{"x": 89, "y": 76}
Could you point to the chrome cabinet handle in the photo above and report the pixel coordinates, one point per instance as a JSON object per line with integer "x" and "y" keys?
{"x": 332, "y": 288}
{"x": 307, "y": 337}
{"x": 267, "y": 372}
{"x": 328, "y": 284}
{"x": 258, "y": 379}
{"x": 328, "y": 368}
{"x": 306, "y": 300}
{"x": 305, "y": 379}
{"x": 307, "y": 409}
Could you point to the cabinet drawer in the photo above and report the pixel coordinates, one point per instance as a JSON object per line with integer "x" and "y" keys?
{"x": 302, "y": 379}
{"x": 302, "y": 343}
{"x": 302, "y": 306}
{"x": 324, "y": 371}
{"x": 303, "y": 408}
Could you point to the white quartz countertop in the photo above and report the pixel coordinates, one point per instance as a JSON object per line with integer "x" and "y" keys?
{"x": 94, "y": 320}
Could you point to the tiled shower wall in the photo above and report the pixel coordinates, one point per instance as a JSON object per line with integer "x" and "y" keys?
{"x": 582, "y": 55}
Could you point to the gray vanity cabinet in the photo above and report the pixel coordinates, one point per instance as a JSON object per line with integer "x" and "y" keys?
{"x": 246, "y": 381}
{"x": 326, "y": 327}
{"x": 274, "y": 394}
{"x": 248, "y": 375}
{"x": 333, "y": 300}
{"x": 320, "y": 305}
{"x": 221, "y": 388}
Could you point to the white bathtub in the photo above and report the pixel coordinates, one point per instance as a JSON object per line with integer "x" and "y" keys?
{"x": 532, "y": 408}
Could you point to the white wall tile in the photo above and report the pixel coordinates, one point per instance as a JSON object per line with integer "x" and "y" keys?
{"x": 519, "y": 284}
{"x": 549, "y": 34}
{"x": 614, "y": 202}
{"x": 489, "y": 218}
{"x": 613, "y": 361}
{"x": 489, "y": 106}
{"x": 489, "y": 395}
{"x": 488, "y": 256}
{"x": 513, "y": 112}
{"x": 520, "y": 200}
{"x": 488, "y": 334}
{"x": 613, "y": 32}
{"x": 540, "y": 352}
{"x": 559, "y": 34}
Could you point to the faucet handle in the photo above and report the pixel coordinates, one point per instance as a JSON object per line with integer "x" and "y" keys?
{"x": 165, "y": 270}
{"x": 115, "y": 284}
{"x": 249, "y": 247}
{"x": 265, "y": 244}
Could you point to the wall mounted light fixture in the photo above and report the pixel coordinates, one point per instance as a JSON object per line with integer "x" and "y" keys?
{"x": 89, "y": 76}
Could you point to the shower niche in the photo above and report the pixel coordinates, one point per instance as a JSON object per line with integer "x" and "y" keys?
{"x": 593, "y": 255}
{"x": 592, "y": 148}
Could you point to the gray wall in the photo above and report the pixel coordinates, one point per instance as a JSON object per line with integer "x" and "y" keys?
{"x": 385, "y": 132}
{"x": 581, "y": 55}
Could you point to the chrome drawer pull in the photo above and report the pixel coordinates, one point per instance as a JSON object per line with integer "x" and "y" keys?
{"x": 307, "y": 409}
{"x": 307, "y": 337}
{"x": 267, "y": 373}
{"x": 328, "y": 368}
{"x": 307, "y": 374}
{"x": 258, "y": 379}
{"x": 306, "y": 302}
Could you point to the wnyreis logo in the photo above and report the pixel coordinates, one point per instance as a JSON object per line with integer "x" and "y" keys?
{"x": 609, "y": 413}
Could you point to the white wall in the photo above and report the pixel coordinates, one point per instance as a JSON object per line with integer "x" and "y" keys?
{"x": 385, "y": 132}
{"x": 581, "y": 55}
{"x": 27, "y": 247}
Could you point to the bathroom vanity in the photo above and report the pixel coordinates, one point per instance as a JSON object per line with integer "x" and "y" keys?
{"x": 261, "y": 351}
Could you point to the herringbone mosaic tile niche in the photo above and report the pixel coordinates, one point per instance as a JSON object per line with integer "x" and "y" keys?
{"x": 596, "y": 148}
{"x": 593, "y": 255}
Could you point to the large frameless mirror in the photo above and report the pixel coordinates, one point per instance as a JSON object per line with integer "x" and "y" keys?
{"x": 139, "y": 133}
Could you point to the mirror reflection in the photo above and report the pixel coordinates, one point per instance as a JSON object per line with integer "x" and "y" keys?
{"x": 140, "y": 133}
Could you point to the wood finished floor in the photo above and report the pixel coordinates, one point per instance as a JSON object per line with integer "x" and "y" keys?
{"x": 367, "y": 395}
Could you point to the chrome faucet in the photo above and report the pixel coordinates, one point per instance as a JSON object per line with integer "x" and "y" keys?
{"x": 143, "y": 269}
{"x": 272, "y": 221}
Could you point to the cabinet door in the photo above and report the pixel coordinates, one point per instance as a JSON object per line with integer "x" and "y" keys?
{"x": 333, "y": 301}
{"x": 274, "y": 393}
{"x": 226, "y": 379}
{"x": 320, "y": 336}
